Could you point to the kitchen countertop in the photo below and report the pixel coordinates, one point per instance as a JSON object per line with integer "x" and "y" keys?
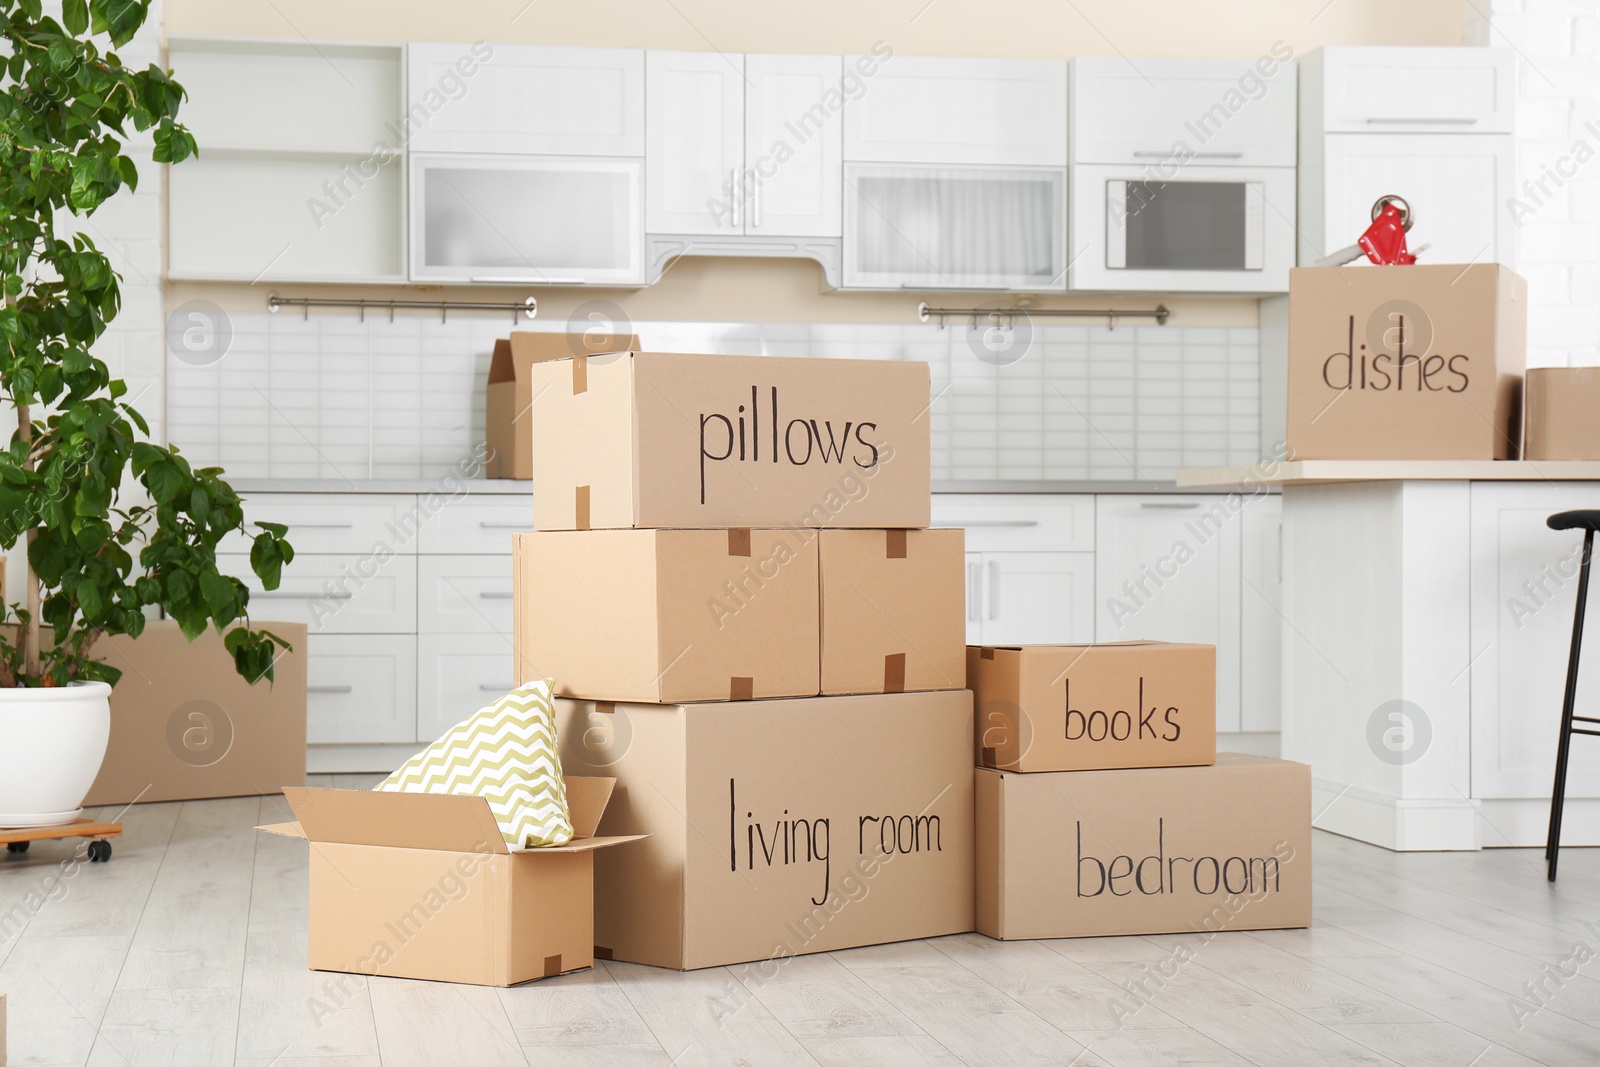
{"x": 1323, "y": 471}
{"x": 506, "y": 486}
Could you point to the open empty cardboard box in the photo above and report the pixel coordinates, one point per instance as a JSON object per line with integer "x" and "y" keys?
{"x": 423, "y": 885}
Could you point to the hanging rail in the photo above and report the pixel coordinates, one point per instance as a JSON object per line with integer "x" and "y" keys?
{"x": 1003, "y": 316}
{"x": 527, "y": 309}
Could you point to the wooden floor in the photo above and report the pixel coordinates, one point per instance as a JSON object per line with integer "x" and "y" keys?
{"x": 189, "y": 948}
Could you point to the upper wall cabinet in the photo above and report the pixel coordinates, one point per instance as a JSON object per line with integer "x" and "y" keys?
{"x": 1437, "y": 90}
{"x": 1207, "y": 111}
{"x": 526, "y": 98}
{"x": 300, "y": 183}
{"x": 914, "y": 109}
{"x": 743, "y": 145}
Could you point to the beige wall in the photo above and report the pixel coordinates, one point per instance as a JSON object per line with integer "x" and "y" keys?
{"x": 766, "y": 290}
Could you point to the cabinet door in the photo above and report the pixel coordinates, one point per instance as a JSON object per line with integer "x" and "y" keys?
{"x": 1036, "y": 597}
{"x": 1458, "y": 184}
{"x": 1525, "y": 583}
{"x": 524, "y": 220}
{"x": 916, "y": 109}
{"x": 525, "y": 98}
{"x": 1167, "y": 568}
{"x": 365, "y": 594}
{"x": 456, "y": 675}
{"x": 466, "y": 595}
{"x": 954, "y": 228}
{"x": 1434, "y": 90}
{"x": 361, "y": 689}
{"x": 1261, "y": 614}
{"x": 794, "y": 146}
{"x": 1127, "y": 114}
{"x": 694, "y": 142}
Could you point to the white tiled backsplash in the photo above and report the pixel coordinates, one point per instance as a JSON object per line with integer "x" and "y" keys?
{"x": 334, "y": 397}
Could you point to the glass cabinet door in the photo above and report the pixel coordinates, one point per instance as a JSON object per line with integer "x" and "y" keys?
{"x": 528, "y": 221}
{"x": 954, "y": 227}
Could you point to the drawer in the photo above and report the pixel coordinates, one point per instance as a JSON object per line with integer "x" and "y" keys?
{"x": 361, "y": 689}
{"x": 456, "y": 675}
{"x": 476, "y": 525}
{"x": 1005, "y": 522}
{"x": 1397, "y": 89}
{"x": 347, "y": 594}
{"x": 332, "y": 522}
{"x": 464, "y": 595}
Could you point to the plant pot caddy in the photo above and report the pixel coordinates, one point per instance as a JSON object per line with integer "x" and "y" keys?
{"x": 98, "y": 833}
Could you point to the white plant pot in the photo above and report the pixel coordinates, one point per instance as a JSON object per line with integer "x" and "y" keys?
{"x": 51, "y": 744}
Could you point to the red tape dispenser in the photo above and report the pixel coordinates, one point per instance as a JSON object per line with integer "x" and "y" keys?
{"x": 1384, "y": 242}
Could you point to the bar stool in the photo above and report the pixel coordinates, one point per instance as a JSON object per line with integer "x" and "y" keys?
{"x": 1588, "y": 522}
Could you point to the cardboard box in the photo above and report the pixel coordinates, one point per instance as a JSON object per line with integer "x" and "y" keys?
{"x": 893, "y": 610}
{"x": 1169, "y": 850}
{"x": 685, "y": 441}
{"x": 668, "y": 615}
{"x": 780, "y": 827}
{"x": 508, "y": 426}
{"x": 185, "y": 726}
{"x": 422, "y": 885}
{"x": 1421, "y": 362}
{"x": 1094, "y": 707}
{"x": 1561, "y": 413}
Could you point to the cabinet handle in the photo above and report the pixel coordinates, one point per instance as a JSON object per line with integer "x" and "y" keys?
{"x": 738, "y": 196}
{"x": 994, "y": 589}
{"x": 507, "y": 279}
{"x": 506, "y": 525}
{"x": 1192, "y": 155}
{"x": 973, "y": 576}
{"x": 970, "y": 523}
{"x": 495, "y": 596}
{"x": 285, "y": 594}
{"x": 1169, "y": 505}
{"x": 1396, "y": 121}
{"x": 330, "y": 689}
{"x": 490, "y": 687}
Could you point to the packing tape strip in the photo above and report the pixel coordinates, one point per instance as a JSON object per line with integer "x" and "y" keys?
{"x": 552, "y": 965}
{"x": 894, "y": 544}
{"x": 739, "y": 541}
{"x": 741, "y": 688}
{"x": 580, "y": 507}
{"x": 605, "y": 707}
{"x": 894, "y": 673}
{"x": 580, "y": 374}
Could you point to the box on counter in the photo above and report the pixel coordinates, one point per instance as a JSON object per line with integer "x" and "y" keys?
{"x": 893, "y": 604}
{"x": 1416, "y": 362}
{"x": 185, "y": 726}
{"x": 1094, "y": 707}
{"x": 1561, "y": 413}
{"x": 780, "y": 827}
{"x": 508, "y": 426}
{"x": 1168, "y": 850}
{"x": 668, "y": 615}
{"x": 423, "y": 885}
{"x": 681, "y": 441}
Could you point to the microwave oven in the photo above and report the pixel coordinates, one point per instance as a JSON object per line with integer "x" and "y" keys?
{"x": 1182, "y": 228}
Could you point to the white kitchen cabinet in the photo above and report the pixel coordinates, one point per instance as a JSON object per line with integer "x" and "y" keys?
{"x": 694, "y": 142}
{"x": 954, "y": 227}
{"x": 534, "y": 99}
{"x": 1016, "y": 598}
{"x": 1167, "y": 569}
{"x": 1525, "y": 579}
{"x": 476, "y": 524}
{"x": 361, "y": 689}
{"x": 1019, "y": 522}
{"x": 361, "y": 523}
{"x": 466, "y": 595}
{"x": 917, "y": 109}
{"x": 526, "y": 220}
{"x": 1141, "y": 112}
{"x": 1365, "y": 89}
{"x": 1261, "y": 614}
{"x": 366, "y": 594}
{"x": 794, "y": 146}
{"x": 456, "y": 675}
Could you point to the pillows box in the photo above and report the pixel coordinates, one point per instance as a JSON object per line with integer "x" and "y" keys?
{"x": 507, "y": 423}
{"x": 1094, "y": 707}
{"x": 1418, "y": 362}
{"x": 185, "y": 726}
{"x": 1162, "y": 851}
{"x": 1561, "y": 413}
{"x": 643, "y": 439}
{"x": 778, "y": 827}
{"x": 422, "y": 885}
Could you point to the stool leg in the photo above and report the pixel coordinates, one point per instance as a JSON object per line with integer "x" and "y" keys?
{"x": 1552, "y": 847}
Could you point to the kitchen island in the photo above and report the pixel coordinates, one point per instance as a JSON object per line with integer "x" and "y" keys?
{"x": 1426, "y": 617}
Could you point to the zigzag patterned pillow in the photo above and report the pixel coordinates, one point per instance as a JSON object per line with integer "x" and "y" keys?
{"x": 507, "y": 754}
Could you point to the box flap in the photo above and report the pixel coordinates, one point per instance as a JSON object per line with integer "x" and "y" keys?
{"x": 586, "y": 802}
{"x": 284, "y": 829}
{"x": 397, "y": 820}
{"x": 585, "y": 844}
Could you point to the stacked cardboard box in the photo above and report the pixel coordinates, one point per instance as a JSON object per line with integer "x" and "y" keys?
{"x": 1104, "y": 808}
{"x": 732, "y": 581}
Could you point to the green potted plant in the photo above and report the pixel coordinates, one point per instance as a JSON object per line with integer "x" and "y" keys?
{"x": 114, "y": 526}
